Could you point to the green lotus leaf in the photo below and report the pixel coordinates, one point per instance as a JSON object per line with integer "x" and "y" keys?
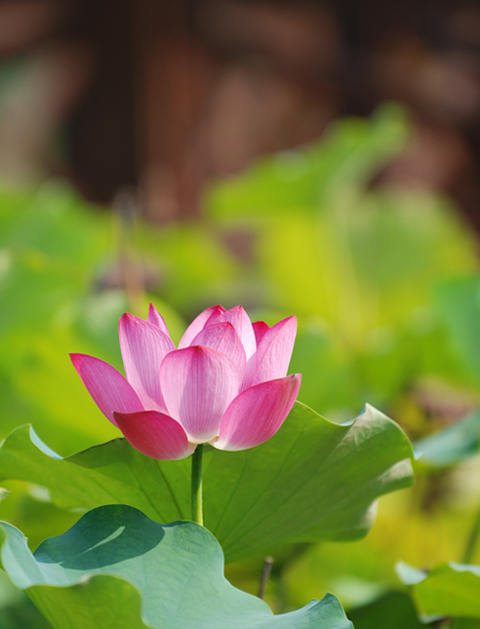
{"x": 313, "y": 481}
{"x": 117, "y": 568}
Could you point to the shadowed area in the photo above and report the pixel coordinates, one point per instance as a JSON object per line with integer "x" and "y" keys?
{"x": 106, "y": 536}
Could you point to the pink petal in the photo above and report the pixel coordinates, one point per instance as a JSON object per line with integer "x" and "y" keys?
{"x": 274, "y": 352}
{"x": 198, "y": 384}
{"x": 156, "y": 319}
{"x": 197, "y": 325}
{"x": 108, "y": 388}
{"x": 223, "y": 338}
{"x": 260, "y": 327}
{"x": 243, "y": 327}
{"x": 155, "y": 434}
{"x": 257, "y": 413}
{"x": 144, "y": 347}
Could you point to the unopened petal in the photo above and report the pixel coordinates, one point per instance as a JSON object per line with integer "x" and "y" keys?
{"x": 155, "y": 434}
{"x": 108, "y": 388}
{"x": 144, "y": 347}
{"x": 243, "y": 327}
{"x": 257, "y": 413}
{"x": 198, "y": 384}
{"x": 197, "y": 325}
{"x": 223, "y": 338}
{"x": 274, "y": 352}
{"x": 156, "y": 319}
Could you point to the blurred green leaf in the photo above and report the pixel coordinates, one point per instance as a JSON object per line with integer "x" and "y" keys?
{"x": 56, "y": 222}
{"x": 128, "y": 571}
{"x": 197, "y": 269}
{"x": 16, "y": 609}
{"x": 350, "y": 153}
{"x": 329, "y": 380}
{"x": 453, "y": 444}
{"x": 52, "y": 245}
{"x": 449, "y": 589}
{"x": 314, "y": 480}
{"x": 458, "y": 304}
{"x": 393, "y": 610}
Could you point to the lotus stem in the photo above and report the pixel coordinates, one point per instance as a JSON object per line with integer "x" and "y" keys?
{"x": 197, "y": 493}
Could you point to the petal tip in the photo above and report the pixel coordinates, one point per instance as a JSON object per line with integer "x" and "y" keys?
{"x": 77, "y": 358}
{"x": 155, "y": 435}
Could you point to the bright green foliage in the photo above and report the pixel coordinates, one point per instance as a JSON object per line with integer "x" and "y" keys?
{"x": 50, "y": 247}
{"x": 58, "y": 259}
{"x": 144, "y": 575}
{"x": 315, "y": 480}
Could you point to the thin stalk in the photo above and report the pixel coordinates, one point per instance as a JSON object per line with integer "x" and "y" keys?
{"x": 126, "y": 206}
{"x": 197, "y": 495}
{"x": 267, "y": 568}
{"x": 472, "y": 540}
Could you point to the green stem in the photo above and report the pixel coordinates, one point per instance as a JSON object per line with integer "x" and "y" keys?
{"x": 197, "y": 497}
{"x": 472, "y": 540}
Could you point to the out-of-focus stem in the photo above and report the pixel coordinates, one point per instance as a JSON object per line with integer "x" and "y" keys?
{"x": 125, "y": 204}
{"x": 472, "y": 540}
{"x": 197, "y": 490}
{"x": 267, "y": 568}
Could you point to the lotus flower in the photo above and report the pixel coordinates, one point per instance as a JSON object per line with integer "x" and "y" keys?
{"x": 226, "y": 383}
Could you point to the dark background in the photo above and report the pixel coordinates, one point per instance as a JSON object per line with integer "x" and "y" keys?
{"x": 167, "y": 96}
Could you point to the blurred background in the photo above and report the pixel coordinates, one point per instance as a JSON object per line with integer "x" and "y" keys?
{"x": 317, "y": 158}
{"x": 169, "y": 96}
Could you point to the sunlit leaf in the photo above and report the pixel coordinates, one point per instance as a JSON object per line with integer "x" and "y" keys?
{"x": 315, "y": 480}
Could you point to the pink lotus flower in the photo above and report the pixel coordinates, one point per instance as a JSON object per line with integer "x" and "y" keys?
{"x": 226, "y": 383}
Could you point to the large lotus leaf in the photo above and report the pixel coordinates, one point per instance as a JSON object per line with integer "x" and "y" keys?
{"x": 449, "y": 589}
{"x": 130, "y": 572}
{"x": 314, "y": 480}
{"x": 451, "y": 445}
